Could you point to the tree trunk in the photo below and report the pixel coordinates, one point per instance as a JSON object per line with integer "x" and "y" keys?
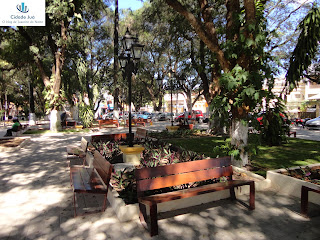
{"x": 55, "y": 121}
{"x": 239, "y": 138}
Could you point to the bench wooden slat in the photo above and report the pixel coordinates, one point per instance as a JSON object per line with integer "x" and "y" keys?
{"x": 182, "y": 167}
{"x": 86, "y": 180}
{"x": 191, "y": 192}
{"x": 103, "y": 167}
{"x": 80, "y": 178}
{"x": 182, "y": 178}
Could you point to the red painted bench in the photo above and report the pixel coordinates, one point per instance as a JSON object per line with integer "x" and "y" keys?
{"x": 183, "y": 173}
{"x": 136, "y": 122}
{"x": 108, "y": 122}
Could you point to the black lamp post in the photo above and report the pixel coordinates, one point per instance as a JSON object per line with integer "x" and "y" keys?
{"x": 131, "y": 54}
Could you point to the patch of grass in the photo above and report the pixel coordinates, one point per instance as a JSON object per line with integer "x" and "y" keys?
{"x": 297, "y": 152}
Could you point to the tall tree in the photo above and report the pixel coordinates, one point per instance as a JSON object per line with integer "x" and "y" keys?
{"x": 238, "y": 46}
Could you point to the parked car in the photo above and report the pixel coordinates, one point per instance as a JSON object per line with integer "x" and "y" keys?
{"x": 162, "y": 117}
{"x": 313, "y": 123}
{"x": 196, "y": 114}
{"x": 144, "y": 115}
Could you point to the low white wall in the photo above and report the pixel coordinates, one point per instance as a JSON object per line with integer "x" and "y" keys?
{"x": 291, "y": 186}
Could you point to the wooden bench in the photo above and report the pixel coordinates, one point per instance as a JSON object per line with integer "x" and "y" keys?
{"x": 305, "y": 196}
{"x": 109, "y": 137}
{"x": 93, "y": 179}
{"x": 183, "y": 173}
{"x": 292, "y": 133}
{"x": 135, "y": 122}
{"x": 108, "y": 122}
{"x": 20, "y": 130}
{"x": 141, "y": 134}
{"x": 78, "y": 151}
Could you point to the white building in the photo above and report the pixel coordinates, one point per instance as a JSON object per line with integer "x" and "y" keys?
{"x": 307, "y": 91}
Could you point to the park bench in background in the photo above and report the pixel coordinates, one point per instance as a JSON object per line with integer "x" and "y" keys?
{"x": 294, "y": 133}
{"x": 78, "y": 151}
{"x": 108, "y": 122}
{"x": 305, "y": 196}
{"x": 92, "y": 180}
{"x": 109, "y": 137}
{"x": 136, "y": 122}
{"x": 141, "y": 134}
{"x": 182, "y": 173}
{"x": 20, "y": 130}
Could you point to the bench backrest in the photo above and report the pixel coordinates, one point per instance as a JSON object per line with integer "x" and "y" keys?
{"x": 108, "y": 121}
{"x": 141, "y": 133}
{"x": 103, "y": 167}
{"x": 108, "y": 137}
{"x": 84, "y": 144}
{"x": 182, "y": 173}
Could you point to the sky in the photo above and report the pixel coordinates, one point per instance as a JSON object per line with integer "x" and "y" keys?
{"x": 133, "y": 4}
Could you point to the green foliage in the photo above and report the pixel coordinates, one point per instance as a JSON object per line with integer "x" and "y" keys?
{"x": 124, "y": 182}
{"x": 53, "y": 100}
{"x": 227, "y": 149}
{"x": 274, "y": 125}
{"x": 305, "y": 49}
{"x": 86, "y": 115}
{"x": 110, "y": 150}
{"x": 157, "y": 154}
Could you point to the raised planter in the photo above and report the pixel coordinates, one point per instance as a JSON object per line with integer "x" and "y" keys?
{"x": 15, "y": 148}
{"x": 172, "y": 128}
{"x": 291, "y": 186}
{"x": 131, "y": 211}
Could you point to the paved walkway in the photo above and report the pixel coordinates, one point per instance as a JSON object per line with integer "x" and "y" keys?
{"x": 36, "y": 203}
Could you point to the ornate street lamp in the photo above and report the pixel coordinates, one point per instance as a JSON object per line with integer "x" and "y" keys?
{"x": 129, "y": 58}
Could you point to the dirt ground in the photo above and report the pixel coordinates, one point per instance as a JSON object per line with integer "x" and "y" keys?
{"x": 11, "y": 142}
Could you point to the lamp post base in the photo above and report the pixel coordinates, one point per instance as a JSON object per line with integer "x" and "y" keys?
{"x": 132, "y": 154}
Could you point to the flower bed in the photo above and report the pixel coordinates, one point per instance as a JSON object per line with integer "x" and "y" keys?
{"x": 308, "y": 174}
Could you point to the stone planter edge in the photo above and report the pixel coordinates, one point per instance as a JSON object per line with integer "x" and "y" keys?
{"x": 291, "y": 186}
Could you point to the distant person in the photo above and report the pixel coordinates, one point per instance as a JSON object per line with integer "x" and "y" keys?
{"x": 63, "y": 118}
{"x": 14, "y": 128}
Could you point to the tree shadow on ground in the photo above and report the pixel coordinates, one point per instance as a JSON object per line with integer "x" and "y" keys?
{"x": 36, "y": 203}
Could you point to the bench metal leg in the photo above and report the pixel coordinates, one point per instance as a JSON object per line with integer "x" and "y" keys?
{"x": 104, "y": 207}
{"x": 232, "y": 194}
{"x": 74, "y": 204}
{"x": 304, "y": 201}
{"x": 252, "y": 196}
{"x": 153, "y": 220}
